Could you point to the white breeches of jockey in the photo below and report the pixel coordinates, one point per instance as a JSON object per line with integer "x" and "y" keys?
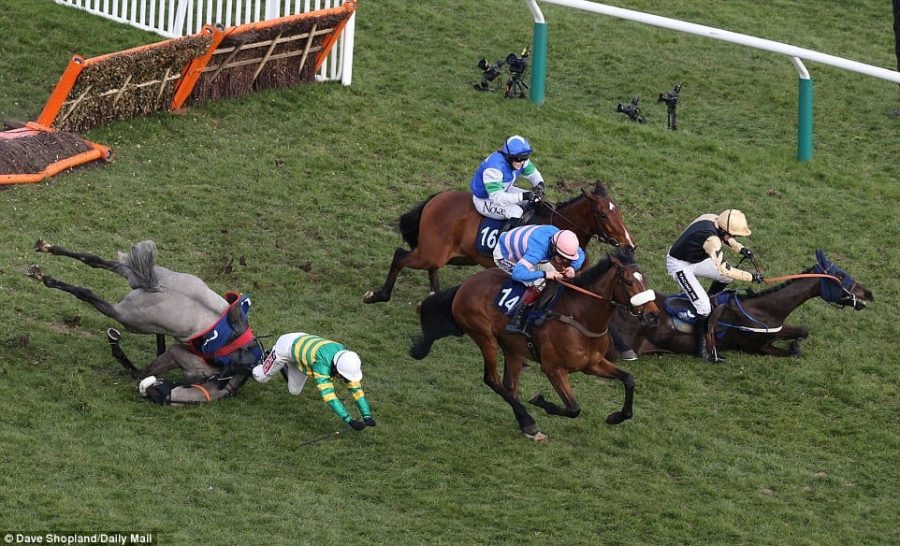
{"x": 686, "y": 273}
{"x": 279, "y": 358}
{"x": 507, "y": 266}
{"x": 502, "y": 205}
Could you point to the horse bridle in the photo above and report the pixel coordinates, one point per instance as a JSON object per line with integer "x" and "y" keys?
{"x": 634, "y": 301}
{"x": 603, "y": 238}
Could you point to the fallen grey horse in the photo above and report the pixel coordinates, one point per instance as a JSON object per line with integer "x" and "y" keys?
{"x": 216, "y": 348}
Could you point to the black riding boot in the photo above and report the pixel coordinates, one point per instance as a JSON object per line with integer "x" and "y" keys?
{"x": 511, "y": 223}
{"x": 516, "y": 324}
{"x": 625, "y": 352}
{"x": 716, "y": 287}
{"x": 705, "y": 350}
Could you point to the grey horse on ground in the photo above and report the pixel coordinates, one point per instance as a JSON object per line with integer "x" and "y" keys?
{"x": 216, "y": 348}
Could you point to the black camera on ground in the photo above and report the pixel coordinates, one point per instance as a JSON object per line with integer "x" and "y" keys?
{"x": 489, "y": 73}
{"x": 517, "y": 65}
{"x": 632, "y": 110}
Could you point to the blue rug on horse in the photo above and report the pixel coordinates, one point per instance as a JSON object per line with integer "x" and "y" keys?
{"x": 509, "y": 295}
{"x": 486, "y": 237}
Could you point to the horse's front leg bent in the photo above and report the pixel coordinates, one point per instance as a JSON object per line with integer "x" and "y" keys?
{"x": 560, "y": 381}
{"x": 605, "y": 368}
{"x": 193, "y": 367}
{"x": 114, "y": 337}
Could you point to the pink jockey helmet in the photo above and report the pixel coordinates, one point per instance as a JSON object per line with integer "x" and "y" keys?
{"x": 566, "y": 244}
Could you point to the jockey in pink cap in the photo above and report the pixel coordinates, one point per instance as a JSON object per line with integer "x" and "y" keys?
{"x": 532, "y": 255}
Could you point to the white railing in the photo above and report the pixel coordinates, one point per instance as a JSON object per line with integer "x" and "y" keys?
{"x": 175, "y": 18}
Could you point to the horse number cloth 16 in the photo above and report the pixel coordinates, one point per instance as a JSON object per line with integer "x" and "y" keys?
{"x": 487, "y": 236}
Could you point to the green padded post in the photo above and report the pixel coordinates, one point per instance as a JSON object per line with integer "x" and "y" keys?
{"x": 805, "y": 120}
{"x": 538, "y": 63}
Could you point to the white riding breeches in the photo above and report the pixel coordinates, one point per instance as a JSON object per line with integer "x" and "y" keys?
{"x": 502, "y": 205}
{"x": 279, "y": 358}
{"x": 686, "y": 273}
{"x": 507, "y": 266}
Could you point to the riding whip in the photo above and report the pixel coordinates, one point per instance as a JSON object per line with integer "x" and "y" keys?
{"x": 320, "y": 438}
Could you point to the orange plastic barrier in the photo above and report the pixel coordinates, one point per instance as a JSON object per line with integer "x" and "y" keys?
{"x": 93, "y": 152}
{"x": 266, "y": 55}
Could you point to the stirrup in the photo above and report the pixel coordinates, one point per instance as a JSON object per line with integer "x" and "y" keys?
{"x": 514, "y": 327}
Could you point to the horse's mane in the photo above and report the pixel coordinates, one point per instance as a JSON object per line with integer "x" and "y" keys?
{"x": 601, "y": 267}
{"x": 750, "y": 293}
{"x": 599, "y": 190}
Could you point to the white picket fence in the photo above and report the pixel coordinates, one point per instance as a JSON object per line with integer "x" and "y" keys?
{"x": 174, "y": 18}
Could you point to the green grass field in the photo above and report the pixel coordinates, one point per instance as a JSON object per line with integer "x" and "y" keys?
{"x": 301, "y": 188}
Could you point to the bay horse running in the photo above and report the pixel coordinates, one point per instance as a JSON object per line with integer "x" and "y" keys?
{"x": 216, "y": 348}
{"x": 444, "y": 228}
{"x": 573, "y": 337}
{"x": 751, "y": 322}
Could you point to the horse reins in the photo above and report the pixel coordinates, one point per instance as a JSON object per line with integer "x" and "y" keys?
{"x": 553, "y": 210}
{"x": 774, "y": 280}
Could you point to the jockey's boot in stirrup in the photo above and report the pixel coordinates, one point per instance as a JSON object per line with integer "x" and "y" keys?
{"x": 514, "y": 222}
{"x": 516, "y": 324}
{"x": 625, "y": 352}
{"x": 705, "y": 349}
{"x": 716, "y": 287}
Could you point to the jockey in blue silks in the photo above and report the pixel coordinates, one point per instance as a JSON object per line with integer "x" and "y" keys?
{"x": 493, "y": 190}
{"x": 532, "y": 255}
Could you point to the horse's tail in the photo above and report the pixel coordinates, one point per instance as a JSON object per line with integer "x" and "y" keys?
{"x": 436, "y": 318}
{"x": 141, "y": 260}
{"x": 409, "y": 223}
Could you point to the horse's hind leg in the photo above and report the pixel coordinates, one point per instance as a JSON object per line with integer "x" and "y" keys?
{"x": 488, "y": 346}
{"x": 88, "y": 259}
{"x": 402, "y": 259}
{"x": 433, "y": 282}
{"x": 83, "y": 294}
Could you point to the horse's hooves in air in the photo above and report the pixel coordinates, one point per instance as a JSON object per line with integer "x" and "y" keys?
{"x": 42, "y": 246}
{"x": 113, "y": 336}
{"x": 35, "y": 272}
{"x": 616, "y": 418}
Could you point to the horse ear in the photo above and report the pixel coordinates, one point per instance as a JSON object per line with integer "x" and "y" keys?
{"x": 587, "y": 194}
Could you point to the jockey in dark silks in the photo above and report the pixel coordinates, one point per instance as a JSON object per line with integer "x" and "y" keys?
{"x": 698, "y": 253}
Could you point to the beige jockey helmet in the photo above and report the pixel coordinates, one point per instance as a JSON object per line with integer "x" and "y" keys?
{"x": 733, "y": 222}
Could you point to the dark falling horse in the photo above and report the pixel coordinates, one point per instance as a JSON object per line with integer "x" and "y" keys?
{"x": 216, "y": 346}
{"x": 443, "y": 229}
{"x": 752, "y": 322}
{"x": 573, "y": 338}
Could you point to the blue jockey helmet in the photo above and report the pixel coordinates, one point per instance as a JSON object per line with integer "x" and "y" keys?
{"x": 516, "y": 148}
